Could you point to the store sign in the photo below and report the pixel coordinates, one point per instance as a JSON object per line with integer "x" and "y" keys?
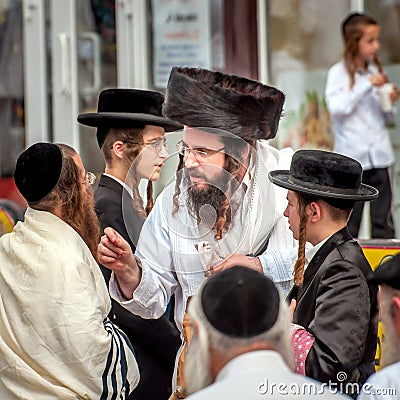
{"x": 181, "y": 36}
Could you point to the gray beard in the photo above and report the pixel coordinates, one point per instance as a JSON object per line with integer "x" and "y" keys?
{"x": 197, "y": 367}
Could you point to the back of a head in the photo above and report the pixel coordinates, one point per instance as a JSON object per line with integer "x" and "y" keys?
{"x": 337, "y": 209}
{"x": 38, "y": 170}
{"x": 387, "y": 273}
{"x": 233, "y": 305}
{"x": 240, "y": 306}
{"x": 235, "y": 312}
{"x": 132, "y": 135}
{"x": 46, "y": 175}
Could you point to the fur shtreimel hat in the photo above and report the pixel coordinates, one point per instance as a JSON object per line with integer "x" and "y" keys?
{"x": 324, "y": 174}
{"x": 126, "y": 108}
{"x": 209, "y": 99}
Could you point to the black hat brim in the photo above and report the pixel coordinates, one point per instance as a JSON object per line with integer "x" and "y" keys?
{"x": 109, "y": 119}
{"x": 364, "y": 193}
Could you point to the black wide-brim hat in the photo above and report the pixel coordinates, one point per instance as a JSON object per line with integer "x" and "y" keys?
{"x": 211, "y": 99}
{"x": 126, "y": 108}
{"x": 324, "y": 174}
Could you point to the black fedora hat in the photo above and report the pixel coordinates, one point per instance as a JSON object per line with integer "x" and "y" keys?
{"x": 324, "y": 174}
{"x": 127, "y": 108}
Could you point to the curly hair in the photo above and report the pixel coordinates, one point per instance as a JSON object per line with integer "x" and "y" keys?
{"x": 74, "y": 201}
{"x": 302, "y": 202}
{"x": 352, "y": 31}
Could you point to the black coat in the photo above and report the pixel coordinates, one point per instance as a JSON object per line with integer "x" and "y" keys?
{"x": 338, "y": 306}
{"x": 156, "y": 341}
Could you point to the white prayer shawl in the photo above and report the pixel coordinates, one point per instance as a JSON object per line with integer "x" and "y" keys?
{"x": 166, "y": 248}
{"x": 55, "y": 339}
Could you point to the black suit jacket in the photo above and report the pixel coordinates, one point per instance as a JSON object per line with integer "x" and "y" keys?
{"x": 338, "y": 306}
{"x": 155, "y": 342}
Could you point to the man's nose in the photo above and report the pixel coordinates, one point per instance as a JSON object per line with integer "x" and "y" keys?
{"x": 164, "y": 152}
{"x": 190, "y": 160}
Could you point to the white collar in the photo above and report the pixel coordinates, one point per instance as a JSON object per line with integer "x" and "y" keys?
{"x": 268, "y": 360}
{"x": 310, "y": 253}
{"x": 123, "y": 184}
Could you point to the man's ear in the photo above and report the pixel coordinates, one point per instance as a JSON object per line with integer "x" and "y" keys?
{"x": 118, "y": 149}
{"x": 395, "y": 305}
{"x": 314, "y": 211}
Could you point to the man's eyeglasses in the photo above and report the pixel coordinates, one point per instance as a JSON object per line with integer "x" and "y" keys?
{"x": 90, "y": 178}
{"x": 157, "y": 145}
{"x": 198, "y": 153}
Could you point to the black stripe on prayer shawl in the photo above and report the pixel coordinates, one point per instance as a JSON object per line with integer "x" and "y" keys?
{"x": 126, "y": 340}
{"x": 113, "y": 373}
{"x": 104, "y": 393}
{"x": 113, "y": 376}
{"x": 118, "y": 351}
{"x": 124, "y": 364}
{"x": 123, "y": 339}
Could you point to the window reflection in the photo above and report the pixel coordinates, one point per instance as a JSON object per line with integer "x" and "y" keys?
{"x": 304, "y": 42}
{"x": 97, "y": 67}
{"x": 12, "y": 133}
{"x": 387, "y": 12}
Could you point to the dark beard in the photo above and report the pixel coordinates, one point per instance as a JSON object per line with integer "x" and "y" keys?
{"x": 209, "y": 202}
{"x": 204, "y": 204}
{"x": 84, "y": 220}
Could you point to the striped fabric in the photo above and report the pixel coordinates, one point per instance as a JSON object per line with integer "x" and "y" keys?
{"x": 116, "y": 360}
{"x": 56, "y": 341}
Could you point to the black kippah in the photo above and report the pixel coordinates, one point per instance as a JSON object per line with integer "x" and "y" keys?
{"x": 38, "y": 170}
{"x": 387, "y": 273}
{"x": 240, "y": 302}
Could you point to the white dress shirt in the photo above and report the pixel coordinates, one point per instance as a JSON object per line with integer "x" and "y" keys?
{"x": 262, "y": 375}
{"x": 384, "y": 385}
{"x": 171, "y": 263}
